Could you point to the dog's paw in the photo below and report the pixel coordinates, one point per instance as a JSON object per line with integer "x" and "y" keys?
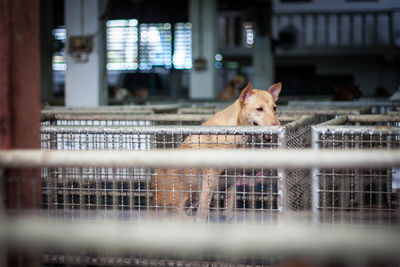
{"x": 267, "y": 138}
{"x": 228, "y": 214}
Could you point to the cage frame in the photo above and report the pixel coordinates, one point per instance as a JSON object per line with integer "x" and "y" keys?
{"x": 282, "y": 133}
{"x": 374, "y": 106}
{"x": 338, "y": 126}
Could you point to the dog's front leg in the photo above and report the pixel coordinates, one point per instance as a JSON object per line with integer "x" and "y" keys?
{"x": 209, "y": 181}
{"x": 230, "y": 200}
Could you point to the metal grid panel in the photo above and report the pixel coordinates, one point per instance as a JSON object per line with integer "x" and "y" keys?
{"x": 384, "y": 108}
{"x": 115, "y": 109}
{"x": 194, "y": 115}
{"x": 375, "y": 107}
{"x": 202, "y": 109}
{"x": 130, "y": 189}
{"x": 297, "y": 189}
{"x": 257, "y": 194}
{"x": 123, "y": 119}
{"x": 357, "y": 195}
{"x": 323, "y": 112}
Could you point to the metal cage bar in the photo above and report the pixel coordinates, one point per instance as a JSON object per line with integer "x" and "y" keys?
{"x": 99, "y": 119}
{"x": 373, "y": 106}
{"x": 166, "y": 242}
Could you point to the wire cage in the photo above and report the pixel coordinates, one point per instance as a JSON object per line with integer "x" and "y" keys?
{"x": 322, "y": 113}
{"x": 185, "y": 116}
{"x": 374, "y": 106}
{"x": 357, "y": 195}
{"x": 259, "y": 192}
{"x": 78, "y": 119}
{"x": 203, "y": 108}
{"x": 117, "y": 109}
{"x": 325, "y": 112}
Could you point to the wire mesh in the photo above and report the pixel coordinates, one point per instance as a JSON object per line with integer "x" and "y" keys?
{"x": 130, "y": 189}
{"x": 123, "y": 119}
{"x": 357, "y": 195}
{"x": 374, "y": 106}
{"x": 323, "y": 112}
{"x": 256, "y": 193}
{"x": 239, "y": 196}
{"x": 297, "y": 184}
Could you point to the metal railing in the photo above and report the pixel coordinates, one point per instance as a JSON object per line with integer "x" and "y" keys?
{"x": 79, "y": 119}
{"x": 341, "y": 31}
{"x": 365, "y": 106}
{"x": 120, "y": 237}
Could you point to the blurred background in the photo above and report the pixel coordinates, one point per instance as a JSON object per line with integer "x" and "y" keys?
{"x": 134, "y": 51}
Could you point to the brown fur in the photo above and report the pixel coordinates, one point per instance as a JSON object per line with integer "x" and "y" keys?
{"x": 173, "y": 187}
{"x": 231, "y": 91}
{"x": 347, "y": 93}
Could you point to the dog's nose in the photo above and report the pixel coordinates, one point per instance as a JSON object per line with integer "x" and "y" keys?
{"x": 277, "y": 123}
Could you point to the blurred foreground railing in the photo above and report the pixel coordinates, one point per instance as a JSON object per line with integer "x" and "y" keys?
{"x": 239, "y": 158}
{"x": 120, "y": 237}
{"x": 197, "y": 238}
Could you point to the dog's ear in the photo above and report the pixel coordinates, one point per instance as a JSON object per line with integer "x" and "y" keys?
{"x": 246, "y": 92}
{"x": 274, "y": 90}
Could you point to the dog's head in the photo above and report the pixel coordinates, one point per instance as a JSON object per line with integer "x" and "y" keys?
{"x": 257, "y": 107}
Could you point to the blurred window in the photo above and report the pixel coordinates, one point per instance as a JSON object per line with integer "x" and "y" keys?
{"x": 132, "y": 46}
{"x": 182, "y": 57}
{"x": 60, "y": 38}
{"x": 155, "y": 45}
{"x": 122, "y": 44}
{"x": 248, "y": 34}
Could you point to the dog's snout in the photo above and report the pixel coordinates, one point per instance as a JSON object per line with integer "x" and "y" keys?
{"x": 255, "y": 123}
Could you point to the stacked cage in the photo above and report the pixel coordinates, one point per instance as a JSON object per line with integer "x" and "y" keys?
{"x": 357, "y": 195}
{"x": 373, "y": 106}
{"x": 240, "y": 195}
{"x": 257, "y": 193}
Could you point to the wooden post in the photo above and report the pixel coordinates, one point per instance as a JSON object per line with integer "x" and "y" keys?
{"x": 5, "y": 130}
{"x": 20, "y": 95}
{"x": 19, "y": 110}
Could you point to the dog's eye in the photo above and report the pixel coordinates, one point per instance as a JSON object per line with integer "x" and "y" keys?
{"x": 275, "y": 108}
{"x": 260, "y": 109}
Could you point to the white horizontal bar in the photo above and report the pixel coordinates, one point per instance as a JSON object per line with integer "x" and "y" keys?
{"x": 240, "y": 158}
{"x": 196, "y": 238}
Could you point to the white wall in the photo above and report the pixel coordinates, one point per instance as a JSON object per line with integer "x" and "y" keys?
{"x": 86, "y": 82}
{"x": 203, "y": 83}
{"x": 263, "y": 63}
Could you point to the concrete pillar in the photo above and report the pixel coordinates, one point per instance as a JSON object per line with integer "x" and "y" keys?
{"x": 203, "y": 16}
{"x": 263, "y": 58}
{"x": 263, "y": 63}
{"x": 86, "y": 82}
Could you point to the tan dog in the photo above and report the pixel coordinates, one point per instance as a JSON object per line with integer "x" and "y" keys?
{"x": 231, "y": 91}
{"x": 176, "y": 188}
